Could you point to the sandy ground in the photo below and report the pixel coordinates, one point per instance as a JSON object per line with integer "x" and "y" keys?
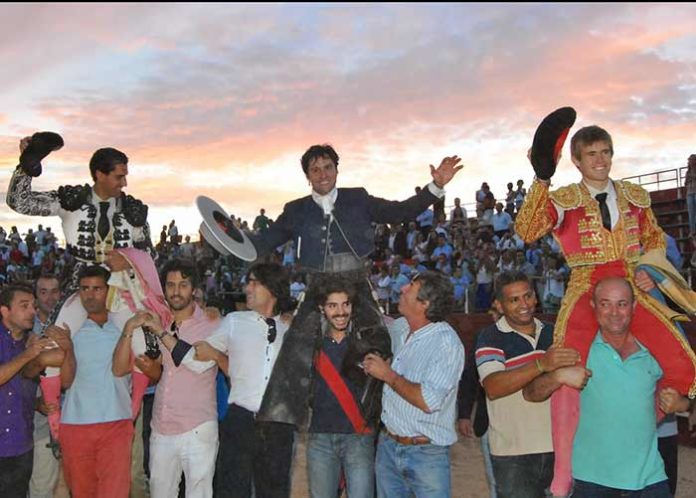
{"x": 469, "y": 477}
{"x": 468, "y": 474}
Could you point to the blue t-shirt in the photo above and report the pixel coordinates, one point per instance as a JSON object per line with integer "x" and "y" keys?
{"x": 616, "y": 441}
{"x": 96, "y": 395}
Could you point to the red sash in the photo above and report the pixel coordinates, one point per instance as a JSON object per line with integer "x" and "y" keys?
{"x": 338, "y": 387}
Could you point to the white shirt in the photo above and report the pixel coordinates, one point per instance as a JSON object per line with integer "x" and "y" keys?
{"x": 326, "y": 202}
{"x": 243, "y": 336}
{"x": 612, "y": 203}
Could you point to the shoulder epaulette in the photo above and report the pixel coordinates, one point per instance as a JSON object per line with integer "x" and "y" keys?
{"x": 73, "y": 197}
{"x": 567, "y": 197}
{"x": 635, "y": 194}
{"x": 134, "y": 210}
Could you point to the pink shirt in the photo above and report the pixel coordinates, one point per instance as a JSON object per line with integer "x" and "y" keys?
{"x": 185, "y": 399}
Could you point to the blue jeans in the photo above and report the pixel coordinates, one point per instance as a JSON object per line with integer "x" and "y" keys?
{"x": 421, "y": 470}
{"x": 584, "y": 489}
{"x": 691, "y": 206}
{"x": 327, "y": 453}
{"x": 486, "y": 450}
{"x": 522, "y": 476}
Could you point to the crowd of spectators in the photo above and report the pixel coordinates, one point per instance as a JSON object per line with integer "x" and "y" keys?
{"x": 23, "y": 257}
{"x": 471, "y": 248}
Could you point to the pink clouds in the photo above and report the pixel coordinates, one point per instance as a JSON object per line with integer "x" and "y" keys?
{"x": 237, "y": 89}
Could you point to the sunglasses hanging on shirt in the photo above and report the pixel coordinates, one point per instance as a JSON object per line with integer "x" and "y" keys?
{"x": 272, "y": 332}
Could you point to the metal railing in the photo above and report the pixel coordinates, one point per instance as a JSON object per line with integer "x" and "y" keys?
{"x": 658, "y": 180}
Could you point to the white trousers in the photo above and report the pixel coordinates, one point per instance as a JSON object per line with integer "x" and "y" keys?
{"x": 194, "y": 452}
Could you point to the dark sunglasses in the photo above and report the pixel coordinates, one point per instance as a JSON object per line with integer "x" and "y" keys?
{"x": 272, "y": 332}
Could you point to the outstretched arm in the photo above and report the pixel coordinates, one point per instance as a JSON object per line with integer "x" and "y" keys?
{"x": 506, "y": 382}
{"x": 541, "y": 388}
{"x": 23, "y": 200}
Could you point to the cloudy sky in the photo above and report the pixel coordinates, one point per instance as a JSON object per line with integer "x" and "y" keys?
{"x": 222, "y": 100}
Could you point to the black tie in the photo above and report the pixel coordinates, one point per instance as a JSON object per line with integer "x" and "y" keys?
{"x": 604, "y": 209}
{"x": 272, "y": 332}
{"x": 103, "y": 224}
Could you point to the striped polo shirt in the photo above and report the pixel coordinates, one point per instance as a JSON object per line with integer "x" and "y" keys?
{"x": 517, "y": 426}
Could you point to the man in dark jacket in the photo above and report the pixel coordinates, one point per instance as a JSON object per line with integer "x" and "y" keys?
{"x": 333, "y": 233}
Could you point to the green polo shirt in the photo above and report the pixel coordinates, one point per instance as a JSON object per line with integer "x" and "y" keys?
{"x": 616, "y": 441}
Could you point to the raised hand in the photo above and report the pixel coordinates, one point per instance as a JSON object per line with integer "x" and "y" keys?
{"x": 449, "y": 167}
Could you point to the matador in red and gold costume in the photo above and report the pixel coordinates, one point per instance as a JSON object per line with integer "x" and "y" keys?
{"x": 603, "y": 228}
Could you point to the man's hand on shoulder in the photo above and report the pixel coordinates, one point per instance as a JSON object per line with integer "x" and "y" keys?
{"x": 287, "y": 317}
{"x": 449, "y": 167}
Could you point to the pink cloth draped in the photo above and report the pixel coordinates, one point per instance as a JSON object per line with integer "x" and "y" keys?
{"x": 147, "y": 275}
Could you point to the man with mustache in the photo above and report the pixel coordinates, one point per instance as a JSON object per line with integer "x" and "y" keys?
{"x": 342, "y": 430}
{"x": 332, "y": 230}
